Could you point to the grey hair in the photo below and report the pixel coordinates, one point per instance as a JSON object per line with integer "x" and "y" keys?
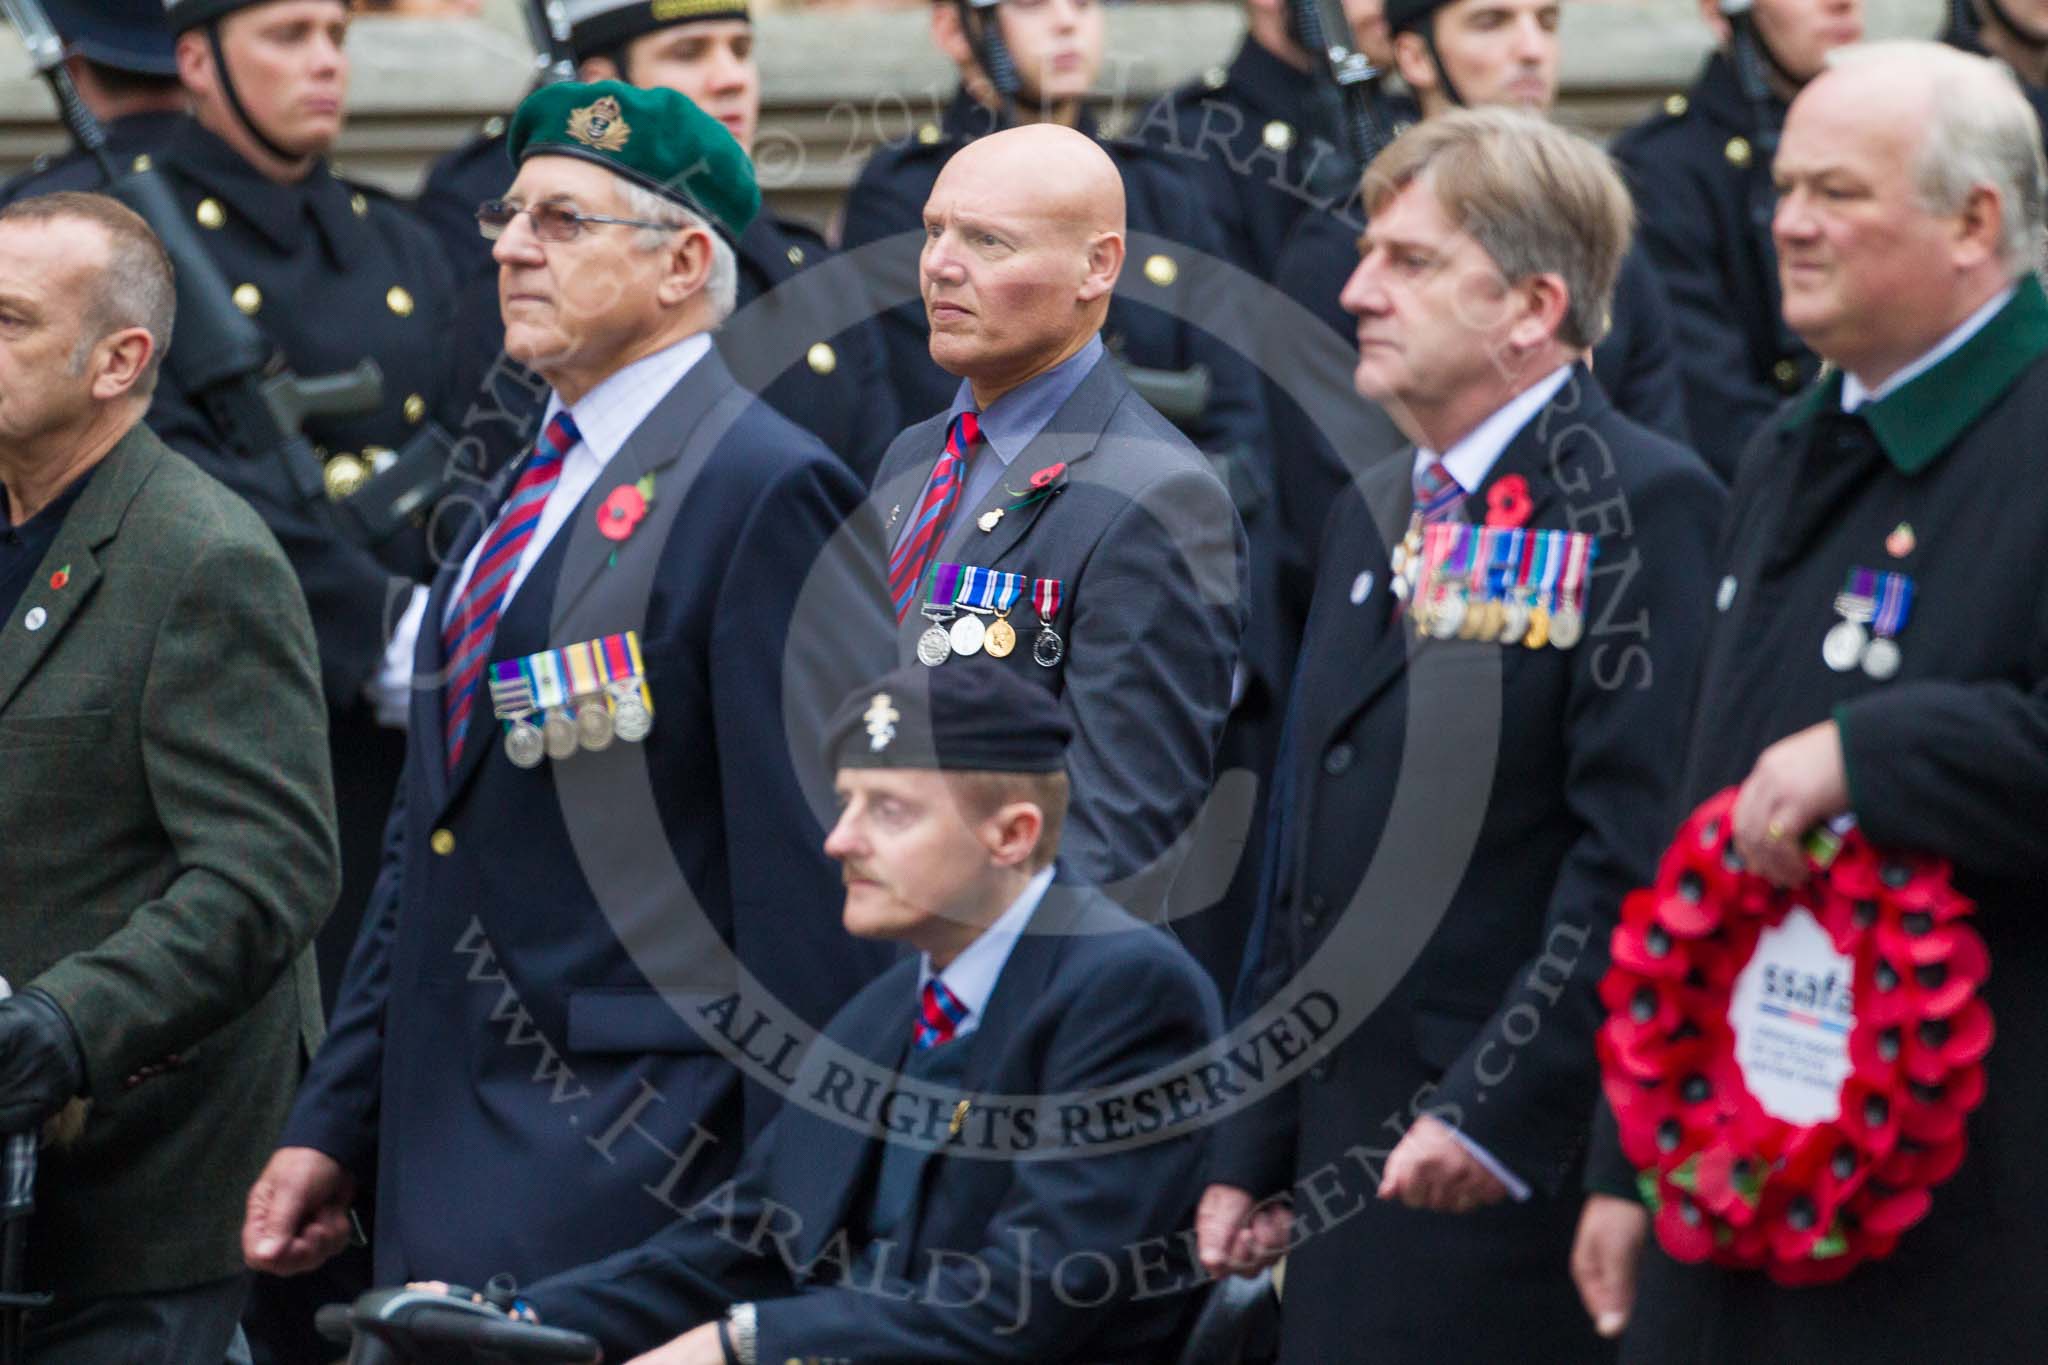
{"x": 722, "y": 286}
{"x": 136, "y": 288}
{"x": 1983, "y": 133}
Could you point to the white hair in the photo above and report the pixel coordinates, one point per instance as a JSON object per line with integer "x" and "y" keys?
{"x": 1983, "y": 134}
{"x": 722, "y": 286}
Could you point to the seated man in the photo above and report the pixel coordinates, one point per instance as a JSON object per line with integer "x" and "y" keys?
{"x": 835, "y": 1240}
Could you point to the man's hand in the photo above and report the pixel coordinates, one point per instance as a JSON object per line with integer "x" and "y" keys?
{"x": 1430, "y": 1169}
{"x": 40, "y": 1069}
{"x": 1604, "y": 1259}
{"x": 1236, "y": 1236}
{"x": 698, "y": 1346}
{"x": 298, "y": 1212}
{"x": 1796, "y": 784}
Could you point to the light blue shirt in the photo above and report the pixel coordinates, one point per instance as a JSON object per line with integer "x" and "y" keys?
{"x": 971, "y": 976}
{"x": 1013, "y": 422}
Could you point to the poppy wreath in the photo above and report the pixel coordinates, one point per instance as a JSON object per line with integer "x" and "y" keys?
{"x": 1725, "y": 1180}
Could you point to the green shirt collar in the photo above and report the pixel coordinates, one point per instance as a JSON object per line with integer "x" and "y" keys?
{"x": 1925, "y": 416}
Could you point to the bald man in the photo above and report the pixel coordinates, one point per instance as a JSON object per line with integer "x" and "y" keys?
{"x": 1051, "y": 519}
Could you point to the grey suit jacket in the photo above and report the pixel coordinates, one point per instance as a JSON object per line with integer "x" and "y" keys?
{"x": 167, "y": 849}
{"x": 1152, "y": 563}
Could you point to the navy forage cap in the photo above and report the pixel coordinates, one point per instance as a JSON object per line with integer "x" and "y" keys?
{"x": 1403, "y": 15}
{"x": 127, "y": 35}
{"x": 967, "y": 715}
{"x": 596, "y": 25}
{"x": 189, "y": 14}
{"x": 657, "y": 138}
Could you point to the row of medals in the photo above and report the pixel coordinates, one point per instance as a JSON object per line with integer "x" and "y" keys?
{"x": 1849, "y": 642}
{"x": 593, "y": 726}
{"x": 1445, "y": 611}
{"x": 998, "y": 639}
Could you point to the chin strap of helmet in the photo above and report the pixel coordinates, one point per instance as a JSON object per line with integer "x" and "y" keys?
{"x": 981, "y": 21}
{"x": 241, "y": 113}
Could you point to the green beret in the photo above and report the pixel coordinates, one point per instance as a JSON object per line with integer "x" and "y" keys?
{"x": 656, "y": 138}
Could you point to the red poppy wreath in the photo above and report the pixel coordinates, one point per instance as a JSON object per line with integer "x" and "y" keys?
{"x": 1791, "y": 1069}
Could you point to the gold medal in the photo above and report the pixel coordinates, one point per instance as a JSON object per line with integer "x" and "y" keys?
{"x": 1539, "y": 627}
{"x": 1000, "y": 639}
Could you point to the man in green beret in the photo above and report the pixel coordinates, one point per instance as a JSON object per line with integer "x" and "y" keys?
{"x": 617, "y": 693}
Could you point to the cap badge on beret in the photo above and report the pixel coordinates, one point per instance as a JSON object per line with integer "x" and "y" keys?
{"x": 601, "y": 125}
{"x": 881, "y": 717}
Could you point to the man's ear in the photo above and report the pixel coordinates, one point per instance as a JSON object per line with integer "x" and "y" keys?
{"x": 689, "y": 267}
{"x": 1105, "y": 263}
{"x": 1412, "y": 60}
{"x": 949, "y": 37}
{"x": 1543, "y": 301}
{"x": 598, "y": 69}
{"x": 1012, "y": 833}
{"x": 118, "y": 361}
{"x": 1980, "y": 228}
{"x": 195, "y": 61}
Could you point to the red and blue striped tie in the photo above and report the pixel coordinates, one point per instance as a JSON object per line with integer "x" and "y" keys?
{"x": 1438, "y": 494}
{"x": 466, "y": 639}
{"x": 928, "y": 525}
{"x": 939, "y": 1013}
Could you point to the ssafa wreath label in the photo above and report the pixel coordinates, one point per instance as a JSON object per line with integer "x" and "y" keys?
{"x": 1791, "y": 1069}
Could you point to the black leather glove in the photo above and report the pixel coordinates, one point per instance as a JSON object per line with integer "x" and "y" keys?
{"x": 41, "y": 1063}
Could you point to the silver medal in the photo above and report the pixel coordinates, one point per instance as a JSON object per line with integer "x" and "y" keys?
{"x": 967, "y": 634}
{"x": 1881, "y": 658}
{"x": 1843, "y": 646}
{"x": 524, "y": 745}
{"x": 632, "y": 719}
{"x": 594, "y": 727}
{"x": 934, "y": 647}
{"x": 1446, "y": 615}
{"x": 1566, "y": 625}
{"x": 1049, "y": 648}
{"x": 558, "y": 733}
{"x": 1515, "y": 624}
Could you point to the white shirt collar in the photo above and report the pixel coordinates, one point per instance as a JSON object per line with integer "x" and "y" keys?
{"x": 614, "y": 410}
{"x": 1472, "y": 459}
{"x": 1855, "y": 395}
{"x": 971, "y": 976}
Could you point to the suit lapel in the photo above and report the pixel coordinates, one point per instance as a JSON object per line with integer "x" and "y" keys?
{"x": 91, "y": 523}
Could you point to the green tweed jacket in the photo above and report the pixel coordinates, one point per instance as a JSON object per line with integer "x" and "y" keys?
{"x": 167, "y": 849}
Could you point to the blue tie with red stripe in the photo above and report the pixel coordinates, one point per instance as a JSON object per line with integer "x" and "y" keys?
{"x": 934, "y": 511}
{"x": 466, "y": 638}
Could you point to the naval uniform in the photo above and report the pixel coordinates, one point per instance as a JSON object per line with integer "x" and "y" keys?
{"x": 828, "y": 380}
{"x": 1704, "y": 201}
{"x": 333, "y": 273}
{"x": 1948, "y": 756}
{"x": 132, "y": 143}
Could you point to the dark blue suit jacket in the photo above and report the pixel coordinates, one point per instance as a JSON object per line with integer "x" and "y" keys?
{"x": 1459, "y": 822}
{"x": 503, "y": 1012}
{"x": 1089, "y": 998}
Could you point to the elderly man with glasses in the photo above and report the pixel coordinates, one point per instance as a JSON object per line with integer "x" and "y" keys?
{"x": 604, "y": 894}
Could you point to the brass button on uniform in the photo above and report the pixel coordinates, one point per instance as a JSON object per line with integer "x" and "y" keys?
{"x": 1676, "y": 105}
{"x": 494, "y": 126}
{"x": 398, "y": 300}
{"x": 248, "y": 298}
{"x": 343, "y": 475}
{"x": 415, "y": 408}
{"x": 928, "y": 133}
{"x": 141, "y": 164}
{"x": 1215, "y": 78}
{"x": 1737, "y": 151}
{"x": 1786, "y": 372}
{"x": 796, "y": 255}
{"x": 359, "y": 204}
{"x": 210, "y": 214}
{"x": 1278, "y": 135}
{"x": 822, "y": 358}
{"x": 1161, "y": 270}
{"x": 442, "y": 843}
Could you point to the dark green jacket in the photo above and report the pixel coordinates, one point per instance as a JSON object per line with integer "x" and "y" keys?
{"x": 167, "y": 849}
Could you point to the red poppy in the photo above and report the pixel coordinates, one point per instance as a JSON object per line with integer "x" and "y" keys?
{"x": 621, "y": 512}
{"x": 1508, "y": 502}
{"x": 60, "y": 578}
{"x": 1045, "y": 477}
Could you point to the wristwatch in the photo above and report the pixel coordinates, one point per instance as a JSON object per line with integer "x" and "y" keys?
{"x": 740, "y": 1322}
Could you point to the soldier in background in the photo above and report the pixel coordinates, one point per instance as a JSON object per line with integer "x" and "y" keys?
{"x": 1701, "y": 173}
{"x": 830, "y": 382}
{"x": 2015, "y": 32}
{"x": 121, "y": 56}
